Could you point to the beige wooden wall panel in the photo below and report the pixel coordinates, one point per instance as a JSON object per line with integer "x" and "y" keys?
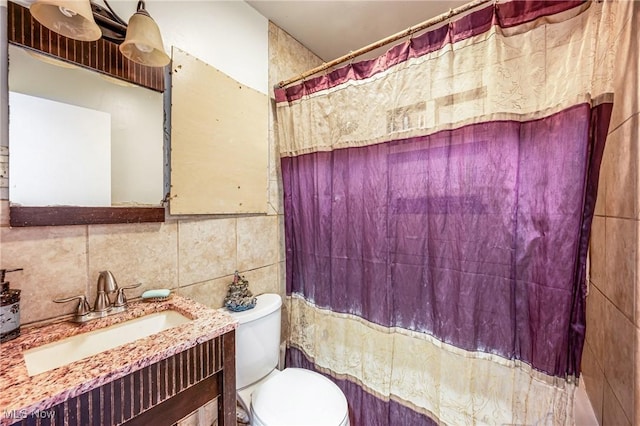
{"x": 219, "y": 141}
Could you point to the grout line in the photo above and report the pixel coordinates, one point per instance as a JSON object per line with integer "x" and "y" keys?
{"x": 617, "y": 217}
{"x": 614, "y": 305}
{"x": 611, "y": 131}
{"x": 87, "y": 266}
{"x": 236, "y": 248}
{"x": 178, "y": 286}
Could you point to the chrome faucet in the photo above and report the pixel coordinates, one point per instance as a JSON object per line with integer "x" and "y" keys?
{"x": 106, "y": 285}
{"x": 102, "y": 306}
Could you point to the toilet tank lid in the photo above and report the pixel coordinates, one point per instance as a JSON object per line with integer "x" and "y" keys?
{"x": 266, "y": 304}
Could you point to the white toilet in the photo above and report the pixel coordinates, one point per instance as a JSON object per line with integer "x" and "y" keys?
{"x": 293, "y": 396}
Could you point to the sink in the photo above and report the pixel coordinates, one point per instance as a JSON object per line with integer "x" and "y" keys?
{"x": 65, "y": 351}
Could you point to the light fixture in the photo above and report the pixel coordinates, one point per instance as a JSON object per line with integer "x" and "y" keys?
{"x": 70, "y": 18}
{"x": 143, "y": 43}
{"x": 76, "y": 19}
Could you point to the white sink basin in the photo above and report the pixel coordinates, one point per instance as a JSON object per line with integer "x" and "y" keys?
{"x": 65, "y": 351}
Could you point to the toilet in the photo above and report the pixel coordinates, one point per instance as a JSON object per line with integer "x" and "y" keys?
{"x": 291, "y": 397}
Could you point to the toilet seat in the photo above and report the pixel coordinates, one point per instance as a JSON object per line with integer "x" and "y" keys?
{"x": 297, "y": 396}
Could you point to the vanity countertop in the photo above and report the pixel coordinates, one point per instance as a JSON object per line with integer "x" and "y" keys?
{"x": 20, "y": 393}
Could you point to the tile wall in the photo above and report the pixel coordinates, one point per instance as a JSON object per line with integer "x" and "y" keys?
{"x": 610, "y": 358}
{"x": 287, "y": 58}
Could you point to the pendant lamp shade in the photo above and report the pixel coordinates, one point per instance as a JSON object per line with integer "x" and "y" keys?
{"x": 70, "y": 18}
{"x": 143, "y": 43}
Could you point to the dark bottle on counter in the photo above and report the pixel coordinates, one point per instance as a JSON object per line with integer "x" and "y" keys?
{"x": 9, "y": 309}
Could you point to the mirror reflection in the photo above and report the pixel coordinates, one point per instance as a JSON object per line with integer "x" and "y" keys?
{"x": 75, "y": 131}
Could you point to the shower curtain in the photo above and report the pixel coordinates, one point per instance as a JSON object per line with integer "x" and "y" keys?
{"x": 438, "y": 201}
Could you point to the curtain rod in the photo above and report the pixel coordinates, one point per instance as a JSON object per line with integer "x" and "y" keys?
{"x": 390, "y": 39}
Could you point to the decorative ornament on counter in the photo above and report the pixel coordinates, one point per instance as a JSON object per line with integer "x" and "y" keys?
{"x": 239, "y": 297}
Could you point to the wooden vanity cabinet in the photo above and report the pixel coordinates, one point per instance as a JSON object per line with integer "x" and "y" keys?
{"x": 158, "y": 394}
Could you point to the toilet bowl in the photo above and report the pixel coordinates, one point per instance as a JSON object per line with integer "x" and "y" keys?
{"x": 294, "y": 397}
{"x": 291, "y": 397}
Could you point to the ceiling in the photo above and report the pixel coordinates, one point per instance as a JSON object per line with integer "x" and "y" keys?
{"x": 331, "y": 29}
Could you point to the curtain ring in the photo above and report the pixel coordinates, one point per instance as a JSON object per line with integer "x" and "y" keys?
{"x": 411, "y": 38}
{"x": 325, "y": 74}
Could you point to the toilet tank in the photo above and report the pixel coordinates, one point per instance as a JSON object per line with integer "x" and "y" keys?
{"x": 257, "y": 340}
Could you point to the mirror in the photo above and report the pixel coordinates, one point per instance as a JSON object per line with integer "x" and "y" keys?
{"x": 133, "y": 157}
{"x": 136, "y": 124}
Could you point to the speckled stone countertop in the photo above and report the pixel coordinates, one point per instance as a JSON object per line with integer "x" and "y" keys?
{"x": 19, "y": 392}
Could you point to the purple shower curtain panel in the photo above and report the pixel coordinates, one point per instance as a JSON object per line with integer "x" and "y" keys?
{"x": 477, "y": 236}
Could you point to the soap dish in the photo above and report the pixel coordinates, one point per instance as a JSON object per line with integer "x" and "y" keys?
{"x": 156, "y": 295}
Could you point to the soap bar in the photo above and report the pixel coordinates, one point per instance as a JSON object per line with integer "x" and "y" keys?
{"x": 158, "y": 293}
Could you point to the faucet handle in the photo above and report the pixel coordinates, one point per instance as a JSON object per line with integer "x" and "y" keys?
{"x": 83, "y": 305}
{"x": 121, "y": 299}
